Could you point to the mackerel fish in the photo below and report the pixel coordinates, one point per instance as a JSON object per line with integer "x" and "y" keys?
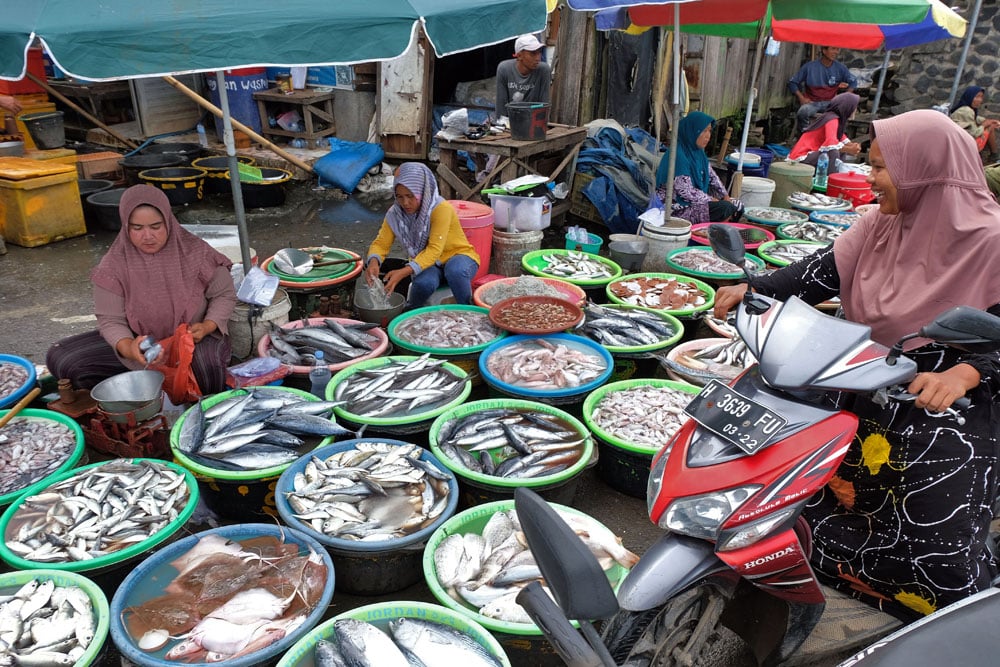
{"x": 816, "y": 201}
{"x": 45, "y": 624}
{"x": 339, "y": 342}
{"x": 448, "y": 329}
{"x": 30, "y": 449}
{"x": 373, "y": 492}
{"x": 402, "y": 386}
{"x": 484, "y": 571}
{"x": 618, "y": 327}
{"x": 812, "y": 231}
{"x": 97, "y": 511}
{"x": 256, "y": 428}
{"x": 576, "y": 266}
{"x": 792, "y": 251}
{"x": 512, "y": 443}
{"x": 405, "y": 642}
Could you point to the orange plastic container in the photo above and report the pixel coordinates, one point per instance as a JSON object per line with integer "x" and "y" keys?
{"x": 852, "y": 187}
{"x": 477, "y": 223}
{"x": 39, "y": 202}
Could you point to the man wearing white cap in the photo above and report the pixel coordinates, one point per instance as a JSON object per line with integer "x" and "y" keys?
{"x": 525, "y": 78}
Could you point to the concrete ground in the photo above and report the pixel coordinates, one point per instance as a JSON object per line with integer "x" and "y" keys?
{"x": 45, "y": 295}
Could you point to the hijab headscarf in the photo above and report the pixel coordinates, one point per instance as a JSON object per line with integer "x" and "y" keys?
{"x": 898, "y": 272}
{"x": 691, "y": 159}
{"x": 840, "y": 109}
{"x": 166, "y": 288}
{"x": 966, "y": 100}
{"x": 414, "y": 229}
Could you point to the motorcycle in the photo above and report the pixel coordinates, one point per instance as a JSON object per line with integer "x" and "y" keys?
{"x": 729, "y": 489}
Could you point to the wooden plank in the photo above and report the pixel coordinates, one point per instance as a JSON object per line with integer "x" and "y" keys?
{"x": 455, "y": 189}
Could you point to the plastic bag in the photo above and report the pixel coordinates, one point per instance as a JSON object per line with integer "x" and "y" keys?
{"x": 178, "y": 375}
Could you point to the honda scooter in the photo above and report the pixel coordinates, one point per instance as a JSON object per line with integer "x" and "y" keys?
{"x": 729, "y": 489}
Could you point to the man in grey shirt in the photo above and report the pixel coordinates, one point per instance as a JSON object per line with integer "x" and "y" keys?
{"x": 525, "y": 78}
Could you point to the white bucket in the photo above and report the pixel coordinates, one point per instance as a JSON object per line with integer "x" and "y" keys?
{"x": 245, "y": 331}
{"x": 675, "y": 233}
{"x": 757, "y": 191}
{"x": 298, "y": 77}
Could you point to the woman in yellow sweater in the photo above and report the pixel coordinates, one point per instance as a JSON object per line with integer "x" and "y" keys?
{"x": 429, "y": 230}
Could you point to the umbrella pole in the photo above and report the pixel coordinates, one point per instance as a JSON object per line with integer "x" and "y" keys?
{"x": 668, "y": 203}
{"x": 736, "y": 187}
{"x": 234, "y": 171}
{"x": 969, "y": 32}
{"x": 881, "y": 84}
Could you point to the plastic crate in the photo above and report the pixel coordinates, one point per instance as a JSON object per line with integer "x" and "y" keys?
{"x": 105, "y": 165}
{"x": 579, "y": 205}
{"x": 39, "y": 202}
{"x": 36, "y": 65}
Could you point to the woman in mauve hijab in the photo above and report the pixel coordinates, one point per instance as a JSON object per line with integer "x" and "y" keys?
{"x": 155, "y": 276}
{"x": 904, "y": 523}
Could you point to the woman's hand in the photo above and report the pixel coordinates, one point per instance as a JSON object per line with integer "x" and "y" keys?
{"x": 371, "y": 271}
{"x": 937, "y": 391}
{"x": 727, "y": 298}
{"x": 851, "y": 148}
{"x": 393, "y": 278}
{"x": 199, "y": 330}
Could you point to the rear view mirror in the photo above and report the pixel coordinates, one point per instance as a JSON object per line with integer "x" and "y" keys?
{"x": 727, "y": 243}
{"x": 966, "y": 328}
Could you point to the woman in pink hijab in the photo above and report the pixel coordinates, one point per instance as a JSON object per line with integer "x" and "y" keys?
{"x": 904, "y": 523}
{"x": 155, "y": 276}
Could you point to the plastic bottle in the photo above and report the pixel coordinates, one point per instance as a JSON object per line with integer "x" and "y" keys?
{"x": 822, "y": 171}
{"x": 319, "y": 376}
{"x": 202, "y": 137}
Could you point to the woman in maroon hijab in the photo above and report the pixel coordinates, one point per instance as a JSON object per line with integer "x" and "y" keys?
{"x": 904, "y": 523}
{"x": 155, "y": 277}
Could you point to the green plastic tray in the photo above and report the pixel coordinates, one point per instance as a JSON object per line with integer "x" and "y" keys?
{"x": 706, "y": 289}
{"x": 652, "y": 347}
{"x": 320, "y": 272}
{"x": 762, "y": 251}
{"x": 534, "y": 262}
{"x": 732, "y": 275}
{"x": 70, "y": 462}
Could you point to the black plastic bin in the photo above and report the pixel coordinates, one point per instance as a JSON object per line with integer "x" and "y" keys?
{"x": 182, "y": 185}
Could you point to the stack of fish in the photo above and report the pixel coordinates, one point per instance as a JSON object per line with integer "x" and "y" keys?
{"x": 405, "y": 386}
{"x": 501, "y": 290}
{"x": 624, "y": 327}
{"x": 842, "y": 219}
{"x": 513, "y": 443}
{"x": 654, "y": 292}
{"x": 543, "y": 365}
{"x": 774, "y": 215}
{"x": 256, "y": 428}
{"x": 229, "y": 599}
{"x": 790, "y": 251}
{"x": 447, "y": 329}
{"x": 373, "y": 492}
{"x": 486, "y": 571}
{"x": 44, "y": 624}
{"x": 812, "y": 231}
{"x": 339, "y": 342}
{"x": 409, "y": 641}
{"x": 97, "y": 511}
{"x": 703, "y": 260}
{"x": 12, "y": 378}
{"x": 722, "y": 360}
{"x": 818, "y": 202}
{"x": 726, "y": 328}
{"x": 642, "y": 415}
{"x": 576, "y": 266}
{"x": 30, "y": 449}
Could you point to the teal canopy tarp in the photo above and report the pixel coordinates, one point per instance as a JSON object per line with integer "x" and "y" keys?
{"x": 114, "y": 39}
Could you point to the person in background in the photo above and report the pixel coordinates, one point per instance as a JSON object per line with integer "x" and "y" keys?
{"x": 817, "y": 83}
{"x": 828, "y": 134}
{"x": 154, "y": 277}
{"x": 904, "y": 523}
{"x": 10, "y": 103}
{"x": 430, "y": 232}
{"x": 965, "y": 112}
{"x": 699, "y": 195}
{"x": 525, "y": 78}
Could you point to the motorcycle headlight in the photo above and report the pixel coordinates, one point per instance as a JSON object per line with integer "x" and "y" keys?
{"x": 746, "y": 535}
{"x": 655, "y": 481}
{"x": 702, "y": 516}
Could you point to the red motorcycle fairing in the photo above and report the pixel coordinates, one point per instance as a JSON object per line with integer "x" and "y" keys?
{"x": 779, "y": 565}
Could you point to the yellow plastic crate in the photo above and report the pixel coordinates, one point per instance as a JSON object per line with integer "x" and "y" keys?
{"x": 39, "y": 202}
{"x": 58, "y": 155}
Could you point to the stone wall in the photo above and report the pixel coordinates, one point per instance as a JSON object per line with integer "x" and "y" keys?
{"x": 922, "y": 76}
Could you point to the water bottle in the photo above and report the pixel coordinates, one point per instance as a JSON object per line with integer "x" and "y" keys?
{"x": 319, "y": 376}
{"x": 822, "y": 170}
{"x": 202, "y": 137}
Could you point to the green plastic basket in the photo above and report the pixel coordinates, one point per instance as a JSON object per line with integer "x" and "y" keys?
{"x": 69, "y": 463}
{"x": 705, "y": 288}
{"x": 534, "y": 263}
{"x": 321, "y": 272}
{"x": 777, "y": 261}
{"x": 763, "y": 215}
{"x": 404, "y": 344}
{"x": 758, "y": 265}
{"x": 640, "y": 349}
{"x": 596, "y": 396}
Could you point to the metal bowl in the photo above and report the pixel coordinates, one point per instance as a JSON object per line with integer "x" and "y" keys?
{"x": 130, "y": 392}
{"x": 11, "y": 148}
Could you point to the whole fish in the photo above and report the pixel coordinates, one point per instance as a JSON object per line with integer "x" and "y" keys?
{"x": 12, "y": 378}
{"x": 661, "y": 293}
{"x": 540, "y": 364}
{"x": 402, "y": 386}
{"x": 642, "y": 415}
{"x": 774, "y": 214}
{"x": 42, "y": 623}
{"x": 704, "y": 260}
{"x": 364, "y": 645}
{"x": 448, "y": 329}
{"x": 790, "y": 252}
{"x": 812, "y": 231}
{"x": 30, "y": 449}
{"x": 339, "y": 342}
{"x": 624, "y": 327}
{"x": 438, "y": 645}
{"x": 576, "y": 266}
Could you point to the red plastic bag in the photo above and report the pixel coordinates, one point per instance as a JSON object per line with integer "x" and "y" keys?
{"x": 178, "y": 376}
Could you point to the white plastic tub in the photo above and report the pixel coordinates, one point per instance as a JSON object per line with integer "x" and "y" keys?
{"x": 520, "y": 214}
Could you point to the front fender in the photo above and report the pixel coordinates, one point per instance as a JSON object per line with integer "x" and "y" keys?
{"x": 669, "y": 566}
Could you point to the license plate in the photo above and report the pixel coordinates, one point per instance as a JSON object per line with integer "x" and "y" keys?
{"x": 734, "y": 417}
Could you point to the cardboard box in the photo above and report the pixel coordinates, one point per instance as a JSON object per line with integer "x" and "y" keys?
{"x": 579, "y": 205}
{"x": 39, "y": 202}
{"x": 104, "y": 165}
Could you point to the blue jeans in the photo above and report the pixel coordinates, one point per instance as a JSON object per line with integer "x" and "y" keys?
{"x": 458, "y": 272}
{"x": 807, "y": 111}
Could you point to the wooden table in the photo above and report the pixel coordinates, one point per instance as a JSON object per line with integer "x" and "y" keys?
{"x": 312, "y": 105}
{"x": 516, "y": 158}
{"x": 95, "y": 94}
